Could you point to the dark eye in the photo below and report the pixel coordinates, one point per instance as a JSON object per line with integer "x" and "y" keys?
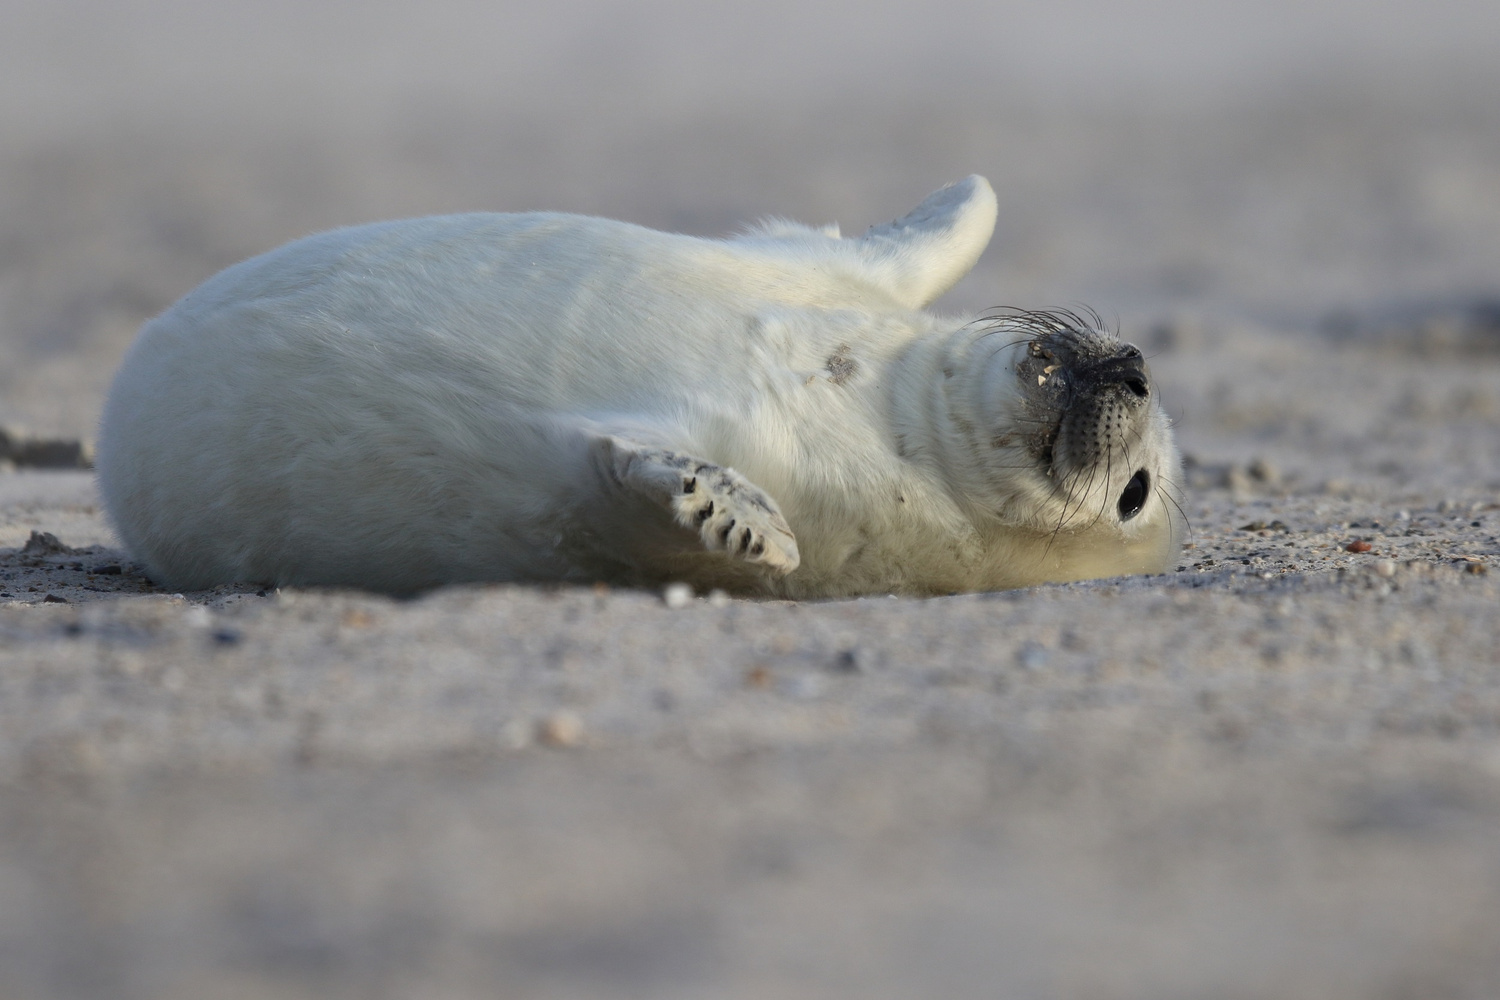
{"x": 1134, "y": 497}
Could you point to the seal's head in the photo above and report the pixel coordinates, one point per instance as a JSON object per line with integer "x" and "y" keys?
{"x": 1073, "y": 444}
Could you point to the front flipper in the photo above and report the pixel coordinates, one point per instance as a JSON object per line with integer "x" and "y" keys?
{"x": 728, "y": 512}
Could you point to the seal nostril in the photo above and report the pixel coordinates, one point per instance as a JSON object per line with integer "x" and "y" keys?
{"x": 1138, "y": 386}
{"x": 1134, "y": 496}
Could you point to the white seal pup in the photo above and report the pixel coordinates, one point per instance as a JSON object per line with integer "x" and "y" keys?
{"x": 552, "y": 397}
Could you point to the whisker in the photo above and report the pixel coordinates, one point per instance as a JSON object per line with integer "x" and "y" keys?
{"x": 1104, "y": 493}
{"x": 1187, "y": 521}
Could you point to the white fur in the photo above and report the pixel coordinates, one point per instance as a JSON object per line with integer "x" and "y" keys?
{"x": 546, "y": 396}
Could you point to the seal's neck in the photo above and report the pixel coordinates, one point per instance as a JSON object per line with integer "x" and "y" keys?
{"x": 952, "y": 411}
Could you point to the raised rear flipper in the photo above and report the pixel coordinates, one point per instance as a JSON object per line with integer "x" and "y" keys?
{"x": 925, "y": 252}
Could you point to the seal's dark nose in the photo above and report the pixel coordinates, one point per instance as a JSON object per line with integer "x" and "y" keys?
{"x": 1127, "y": 369}
{"x": 1135, "y": 379}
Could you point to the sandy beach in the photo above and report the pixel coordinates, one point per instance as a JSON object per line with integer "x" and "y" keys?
{"x": 1272, "y": 772}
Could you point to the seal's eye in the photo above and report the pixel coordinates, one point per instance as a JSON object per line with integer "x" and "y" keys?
{"x": 1134, "y": 497}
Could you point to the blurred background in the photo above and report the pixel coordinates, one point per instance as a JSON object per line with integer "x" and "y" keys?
{"x": 1282, "y": 160}
{"x": 1212, "y": 788}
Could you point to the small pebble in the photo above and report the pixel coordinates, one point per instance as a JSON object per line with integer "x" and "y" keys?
{"x": 1358, "y": 545}
{"x": 1386, "y": 567}
{"x": 1032, "y": 655}
{"x": 847, "y": 661}
{"x": 718, "y": 598}
{"x": 560, "y": 729}
{"x": 677, "y": 595}
{"x": 1262, "y": 471}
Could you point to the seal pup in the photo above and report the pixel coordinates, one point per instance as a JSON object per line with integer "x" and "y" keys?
{"x": 545, "y": 396}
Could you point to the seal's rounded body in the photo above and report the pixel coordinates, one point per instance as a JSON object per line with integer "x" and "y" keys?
{"x": 552, "y": 397}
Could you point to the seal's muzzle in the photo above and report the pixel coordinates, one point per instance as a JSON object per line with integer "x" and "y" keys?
{"x": 1088, "y": 400}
